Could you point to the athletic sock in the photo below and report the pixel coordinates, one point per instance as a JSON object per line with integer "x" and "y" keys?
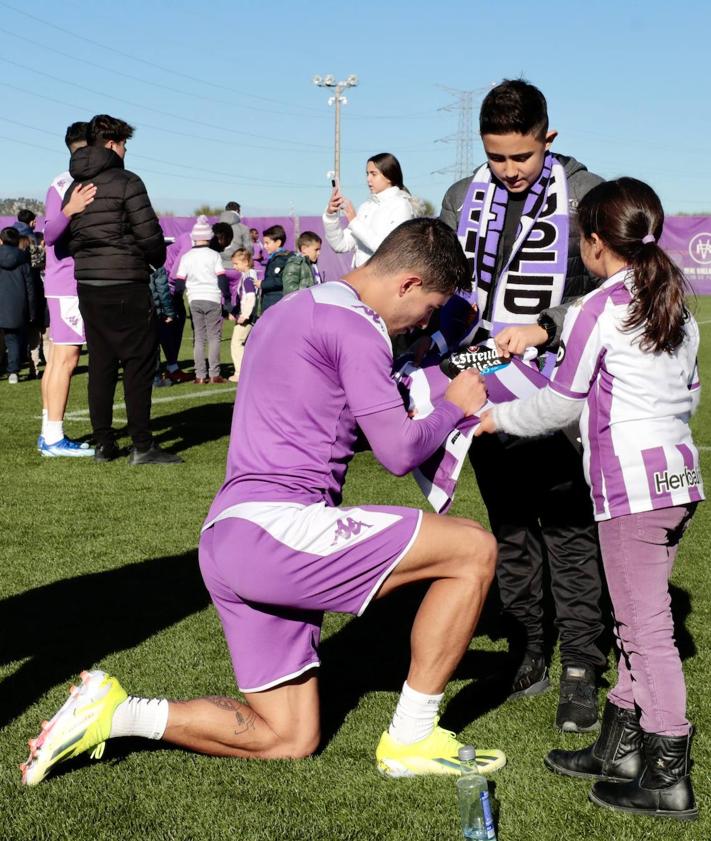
{"x": 44, "y": 420}
{"x": 53, "y": 432}
{"x": 415, "y": 716}
{"x": 145, "y": 717}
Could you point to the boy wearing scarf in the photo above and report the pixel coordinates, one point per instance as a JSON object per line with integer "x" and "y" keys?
{"x": 515, "y": 220}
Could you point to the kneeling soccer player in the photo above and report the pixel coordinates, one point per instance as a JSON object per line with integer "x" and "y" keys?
{"x": 277, "y": 550}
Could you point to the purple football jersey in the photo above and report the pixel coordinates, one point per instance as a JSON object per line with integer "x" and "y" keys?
{"x": 315, "y": 362}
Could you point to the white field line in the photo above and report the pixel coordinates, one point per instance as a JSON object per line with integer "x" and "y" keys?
{"x": 173, "y": 398}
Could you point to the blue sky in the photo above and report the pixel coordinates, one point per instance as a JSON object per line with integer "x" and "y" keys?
{"x": 221, "y": 95}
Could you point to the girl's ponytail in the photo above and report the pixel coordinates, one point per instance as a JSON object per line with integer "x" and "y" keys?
{"x": 627, "y": 216}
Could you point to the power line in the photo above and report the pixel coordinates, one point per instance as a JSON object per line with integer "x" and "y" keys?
{"x": 172, "y": 71}
{"x": 153, "y": 110}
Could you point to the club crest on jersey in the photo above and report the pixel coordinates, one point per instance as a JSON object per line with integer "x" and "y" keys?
{"x": 348, "y": 528}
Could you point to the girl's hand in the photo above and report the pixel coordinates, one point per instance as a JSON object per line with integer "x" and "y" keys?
{"x": 348, "y": 209}
{"x": 241, "y": 320}
{"x": 486, "y": 424}
{"x": 231, "y": 317}
{"x": 335, "y": 202}
{"x": 82, "y": 196}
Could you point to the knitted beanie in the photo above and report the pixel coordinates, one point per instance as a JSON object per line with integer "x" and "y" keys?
{"x": 202, "y": 230}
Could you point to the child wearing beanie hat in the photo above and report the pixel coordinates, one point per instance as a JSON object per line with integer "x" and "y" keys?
{"x": 200, "y": 269}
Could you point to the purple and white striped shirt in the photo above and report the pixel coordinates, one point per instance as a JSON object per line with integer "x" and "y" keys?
{"x": 639, "y": 453}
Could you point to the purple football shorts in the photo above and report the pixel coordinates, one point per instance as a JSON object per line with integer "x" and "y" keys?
{"x": 66, "y": 326}
{"x": 273, "y": 568}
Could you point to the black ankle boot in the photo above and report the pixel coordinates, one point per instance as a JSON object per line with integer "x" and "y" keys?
{"x": 663, "y": 788}
{"x": 616, "y": 755}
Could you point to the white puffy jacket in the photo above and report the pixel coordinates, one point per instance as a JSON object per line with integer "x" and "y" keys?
{"x": 375, "y": 218}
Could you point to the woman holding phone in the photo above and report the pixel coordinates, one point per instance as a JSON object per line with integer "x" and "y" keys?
{"x": 389, "y": 205}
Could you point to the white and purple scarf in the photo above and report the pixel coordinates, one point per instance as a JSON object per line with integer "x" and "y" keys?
{"x": 533, "y": 278}
{"x": 426, "y": 385}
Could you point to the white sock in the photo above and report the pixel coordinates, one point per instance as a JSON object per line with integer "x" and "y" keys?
{"x": 44, "y": 420}
{"x": 145, "y": 717}
{"x": 53, "y": 432}
{"x": 172, "y": 367}
{"x": 414, "y": 717}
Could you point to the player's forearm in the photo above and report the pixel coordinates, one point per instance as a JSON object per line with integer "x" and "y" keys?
{"x": 401, "y": 443}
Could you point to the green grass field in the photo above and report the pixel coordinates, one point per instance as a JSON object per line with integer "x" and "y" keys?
{"x": 99, "y": 568}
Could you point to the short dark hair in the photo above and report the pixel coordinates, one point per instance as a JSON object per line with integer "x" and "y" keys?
{"x": 430, "y": 248}
{"x": 514, "y": 107}
{"x": 390, "y": 167}
{"x": 26, "y": 216}
{"x": 103, "y": 128}
{"x": 275, "y": 232}
{"x": 76, "y": 133}
{"x": 233, "y": 205}
{"x": 308, "y": 238}
{"x": 10, "y": 236}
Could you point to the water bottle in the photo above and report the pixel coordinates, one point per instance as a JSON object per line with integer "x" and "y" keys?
{"x": 474, "y": 803}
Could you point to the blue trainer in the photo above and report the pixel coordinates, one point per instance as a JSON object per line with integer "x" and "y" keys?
{"x": 40, "y": 443}
{"x": 66, "y": 447}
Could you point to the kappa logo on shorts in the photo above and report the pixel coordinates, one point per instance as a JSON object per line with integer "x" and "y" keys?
{"x": 345, "y": 529}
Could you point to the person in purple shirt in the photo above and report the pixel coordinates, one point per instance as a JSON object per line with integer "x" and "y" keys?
{"x": 278, "y": 548}
{"x": 66, "y": 326}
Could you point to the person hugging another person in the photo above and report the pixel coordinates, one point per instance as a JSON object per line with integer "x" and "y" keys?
{"x": 301, "y": 269}
{"x": 201, "y": 270}
{"x": 627, "y": 371}
{"x": 244, "y": 308}
{"x": 389, "y": 205}
{"x": 17, "y": 300}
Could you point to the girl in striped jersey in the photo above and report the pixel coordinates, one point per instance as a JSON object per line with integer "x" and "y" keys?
{"x": 627, "y": 371}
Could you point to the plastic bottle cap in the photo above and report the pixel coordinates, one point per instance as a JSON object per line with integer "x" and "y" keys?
{"x": 466, "y": 753}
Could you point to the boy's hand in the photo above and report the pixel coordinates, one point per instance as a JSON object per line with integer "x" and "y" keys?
{"x": 486, "y": 424}
{"x": 467, "y": 391}
{"x": 514, "y": 340}
{"x": 231, "y": 317}
{"x": 241, "y": 320}
{"x": 168, "y": 320}
{"x": 82, "y": 196}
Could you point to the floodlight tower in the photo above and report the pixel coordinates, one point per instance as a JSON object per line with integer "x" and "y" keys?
{"x": 337, "y": 99}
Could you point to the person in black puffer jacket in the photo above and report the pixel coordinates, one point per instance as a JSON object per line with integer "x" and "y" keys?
{"x": 116, "y": 243}
{"x": 17, "y": 302}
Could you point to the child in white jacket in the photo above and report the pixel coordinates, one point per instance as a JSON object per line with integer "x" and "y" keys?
{"x": 388, "y": 206}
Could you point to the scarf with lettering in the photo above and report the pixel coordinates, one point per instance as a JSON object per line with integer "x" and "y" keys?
{"x": 425, "y": 386}
{"x": 533, "y": 276}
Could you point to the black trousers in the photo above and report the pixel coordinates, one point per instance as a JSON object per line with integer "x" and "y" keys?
{"x": 540, "y": 510}
{"x": 121, "y": 329}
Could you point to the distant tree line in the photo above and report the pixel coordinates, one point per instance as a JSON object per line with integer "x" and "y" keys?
{"x": 9, "y": 207}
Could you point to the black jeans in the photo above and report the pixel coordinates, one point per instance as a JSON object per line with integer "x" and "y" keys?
{"x": 171, "y": 335}
{"x": 539, "y": 508}
{"x": 121, "y": 329}
{"x": 16, "y": 346}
